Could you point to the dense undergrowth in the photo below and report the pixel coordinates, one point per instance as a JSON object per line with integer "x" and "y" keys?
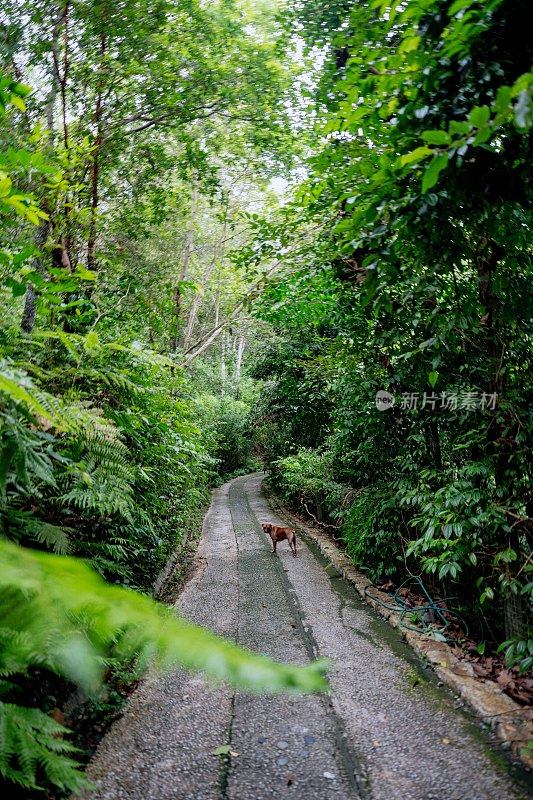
{"x": 113, "y": 225}
{"x": 397, "y": 400}
{"x": 144, "y": 251}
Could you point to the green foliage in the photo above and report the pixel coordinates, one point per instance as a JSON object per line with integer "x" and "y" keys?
{"x": 518, "y": 653}
{"x": 32, "y": 742}
{"x": 307, "y": 479}
{"x": 64, "y": 616}
{"x": 101, "y": 454}
{"x": 371, "y": 532}
{"x": 225, "y": 422}
{"x": 60, "y": 615}
{"x": 416, "y": 218}
{"x": 402, "y": 263}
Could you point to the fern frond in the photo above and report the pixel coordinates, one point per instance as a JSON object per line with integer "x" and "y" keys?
{"x": 18, "y": 387}
{"x": 73, "y": 617}
{"x": 24, "y": 524}
{"x": 72, "y": 342}
{"x": 25, "y": 458}
{"x": 18, "y": 652}
{"x": 106, "y": 496}
{"x": 54, "y": 537}
{"x": 58, "y": 613}
{"x": 29, "y": 740}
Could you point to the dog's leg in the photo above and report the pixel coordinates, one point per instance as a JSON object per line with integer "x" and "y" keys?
{"x": 274, "y": 545}
{"x": 293, "y": 545}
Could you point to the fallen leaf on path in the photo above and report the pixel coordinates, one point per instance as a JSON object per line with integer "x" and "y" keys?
{"x": 515, "y": 692}
{"x": 446, "y": 741}
{"x": 505, "y": 677}
{"x": 223, "y": 750}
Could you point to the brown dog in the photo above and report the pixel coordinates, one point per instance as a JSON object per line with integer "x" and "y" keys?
{"x": 278, "y": 534}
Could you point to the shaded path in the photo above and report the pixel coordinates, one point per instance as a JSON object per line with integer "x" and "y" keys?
{"x": 384, "y": 733}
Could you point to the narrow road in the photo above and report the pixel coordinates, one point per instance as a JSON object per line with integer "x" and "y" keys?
{"x": 385, "y": 733}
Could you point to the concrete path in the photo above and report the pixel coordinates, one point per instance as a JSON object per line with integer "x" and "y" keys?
{"x": 385, "y": 733}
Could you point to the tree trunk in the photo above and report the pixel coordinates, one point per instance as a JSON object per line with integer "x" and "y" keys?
{"x": 238, "y": 364}
{"x": 29, "y": 312}
{"x": 30, "y": 301}
{"x": 197, "y": 301}
{"x": 185, "y": 262}
{"x": 223, "y": 369}
{"x": 499, "y": 440}
{"x": 61, "y": 61}
{"x": 95, "y": 166}
{"x": 30, "y": 309}
{"x": 195, "y": 307}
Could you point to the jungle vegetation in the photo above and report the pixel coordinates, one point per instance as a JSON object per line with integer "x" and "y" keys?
{"x": 224, "y": 228}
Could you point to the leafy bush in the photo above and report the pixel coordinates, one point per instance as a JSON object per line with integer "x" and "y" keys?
{"x": 306, "y": 480}
{"x": 101, "y": 459}
{"x": 225, "y": 425}
{"x": 518, "y": 653}
{"x": 371, "y": 532}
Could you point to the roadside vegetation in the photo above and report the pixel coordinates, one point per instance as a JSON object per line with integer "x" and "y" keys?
{"x": 408, "y": 272}
{"x": 213, "y": 264}
{"x": 129, "y": 153}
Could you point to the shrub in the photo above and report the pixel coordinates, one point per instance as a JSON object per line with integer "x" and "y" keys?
{"x": 225, "y": 426}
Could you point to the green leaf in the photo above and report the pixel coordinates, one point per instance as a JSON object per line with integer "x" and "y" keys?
{"x": 489, "y": 593}
{"x": 409, "y": 44}
{"x": 91, "y": 341}
{"x": 433, "y": 378}
{"x": 432, "y": 173}
{"x": 5, "y": 185}
{"x": 479, "y": 116}
{"x": 223, "y": 750}
{"x": 507, "y": 556}
{"x": 32, "y": 216}
{"x": 459, "y": 5}
{"x": 21, "y": 89}
{"x": 415, "y": 155}
{"x": 503, "y": 99}
{"x": 482, "y": 135}
{"x": 85, "y": 274}
{"x": 459, "y": 127}
{"x": 18, "y": 288}
{"x": 436, "y": 137}
{"x": 18, "y": 102}
{"x": 20, "y": 395}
